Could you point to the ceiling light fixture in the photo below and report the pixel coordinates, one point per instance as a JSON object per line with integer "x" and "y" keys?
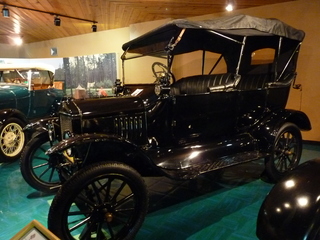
{"x": 5, "y": 12}
{"x": 57, "y": 21}
{"x": 94, "y": 27}
{"x": 230, "y": 5}
{"x": 18, "y": 41}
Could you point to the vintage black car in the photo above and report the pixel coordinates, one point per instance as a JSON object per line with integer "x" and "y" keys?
{"x": 217, "y": 100}
{"x": 291, "y": 209}
{"x": 27, "y": 94}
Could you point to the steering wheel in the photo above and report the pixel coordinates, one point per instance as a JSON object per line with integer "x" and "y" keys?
{"x": 163, "y": 77}
{"x": 161, "y": 73}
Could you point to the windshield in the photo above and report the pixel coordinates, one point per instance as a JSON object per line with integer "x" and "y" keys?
{"x": 38, "y": 77}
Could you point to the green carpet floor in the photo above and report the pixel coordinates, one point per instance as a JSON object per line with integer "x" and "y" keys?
{"x": 221, "y": 205}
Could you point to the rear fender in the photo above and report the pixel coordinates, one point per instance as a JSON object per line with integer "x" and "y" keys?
{"x": 267, "y": 130}
{"x": 104, "y": 147}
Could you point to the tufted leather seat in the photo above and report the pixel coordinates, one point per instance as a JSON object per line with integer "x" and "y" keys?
{"x": 201, "y": 83}
{"x": 254, "y": 81}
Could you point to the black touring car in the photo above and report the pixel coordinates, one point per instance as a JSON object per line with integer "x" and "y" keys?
{"x": 217, "y": 99}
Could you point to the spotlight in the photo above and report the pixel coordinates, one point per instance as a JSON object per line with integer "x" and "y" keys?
{"x": 57, "y": 21}
{"x": 94, "y": 27}
{"x": 18, "y": 41}
{"x": 5, "y": 12}
{"x": 230, "y": 5}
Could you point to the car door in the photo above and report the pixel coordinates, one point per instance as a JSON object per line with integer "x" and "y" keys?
{"x": 43, "y": 95}
{"x": 202, "y": 116}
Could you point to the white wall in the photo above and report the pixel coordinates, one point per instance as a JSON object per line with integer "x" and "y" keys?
{"x": 8, "y": 51}
{"x": 86, "y": 44}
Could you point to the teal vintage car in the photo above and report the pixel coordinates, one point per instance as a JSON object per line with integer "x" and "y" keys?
{"x": 27, "y": 93}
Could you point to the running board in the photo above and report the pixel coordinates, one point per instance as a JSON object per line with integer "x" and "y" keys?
{"x": 223, "y": 162}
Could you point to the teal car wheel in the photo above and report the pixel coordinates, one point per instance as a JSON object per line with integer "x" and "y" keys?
{"x": 12, "y": 140}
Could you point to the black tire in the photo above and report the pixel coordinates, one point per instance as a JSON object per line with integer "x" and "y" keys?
{"x": 101, "y": 201}
{"x": 286, "y": 152}
{"x": 12, "y": 139}
{"x": 38, "y": 169}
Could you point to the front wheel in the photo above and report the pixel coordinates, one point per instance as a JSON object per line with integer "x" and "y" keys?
{"x": 286, "y": 152}
{"x": 38, "y": 169}
{"x": 101, "y": 201}
{"x": 12, "y": 139}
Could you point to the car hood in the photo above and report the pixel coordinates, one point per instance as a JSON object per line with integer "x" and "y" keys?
{"x": 8, "y": 91}
{"x": 102, "y": 106}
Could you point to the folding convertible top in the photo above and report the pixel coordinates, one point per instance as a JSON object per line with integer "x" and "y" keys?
{"x": 231, "y": 26}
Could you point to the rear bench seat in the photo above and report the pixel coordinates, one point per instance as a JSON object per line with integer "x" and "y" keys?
{"x": 202, "y": 84}
{"x": 220, "y": 82}
{"x": 254, "y": 81}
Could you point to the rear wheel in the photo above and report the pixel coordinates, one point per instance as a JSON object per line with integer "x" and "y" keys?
{"x": 286, "y": 152}
{"x": 101, "y": 201}
{"x": 12, "y": 139}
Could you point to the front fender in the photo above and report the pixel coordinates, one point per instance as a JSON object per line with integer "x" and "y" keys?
{"x": 103, "y": 147}
{"x": 5, "y": 114}
{"x": 86, "y": 138}
{"x": 50, "y": 124}
{"x": 42, "y": 124}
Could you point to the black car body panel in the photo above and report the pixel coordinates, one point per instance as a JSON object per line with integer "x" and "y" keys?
{"x": 291, "y": 209}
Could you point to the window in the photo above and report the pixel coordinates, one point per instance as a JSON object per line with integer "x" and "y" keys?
{"x": 263, "y": 56}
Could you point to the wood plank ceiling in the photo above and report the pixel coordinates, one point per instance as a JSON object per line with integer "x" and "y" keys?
{"x": 35, "y": 26}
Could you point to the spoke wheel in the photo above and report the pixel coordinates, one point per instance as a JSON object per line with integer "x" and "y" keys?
{"x": 38, "y": 169}
{"x": 12, "y": 140}
{"x": 286, "y": 152}
{"x": 101, "y": 201}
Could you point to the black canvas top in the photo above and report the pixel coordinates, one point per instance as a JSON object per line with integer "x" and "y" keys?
{"x": 239, "y": 25}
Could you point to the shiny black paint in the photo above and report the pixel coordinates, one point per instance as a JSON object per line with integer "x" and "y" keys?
{"x": 198, "y": 123}
{"x": 204, "y": 115}
{"x": 183, "y": 136}
{"x": 94, "y": 147}
{"x": 291, "y": 209}
{"x": 49, "y": 125}
{"x": 181, "y": 128}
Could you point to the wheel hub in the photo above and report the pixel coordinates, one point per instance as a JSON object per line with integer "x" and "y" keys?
{"x": 9, "y": 139}
{"x": 103, "y": 213}
{"x": 288, "y": 152}
{"x": 108, "y": 217}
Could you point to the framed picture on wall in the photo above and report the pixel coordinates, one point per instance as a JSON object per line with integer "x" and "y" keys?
{"x": 34, "y": 231}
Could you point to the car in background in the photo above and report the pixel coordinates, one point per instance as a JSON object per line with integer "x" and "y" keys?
{"x": 27, "y": 93}
{"x": 217, "y": 99}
